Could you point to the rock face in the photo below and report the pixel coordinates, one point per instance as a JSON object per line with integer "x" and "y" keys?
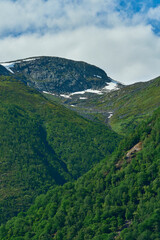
{"x": 59, "y": 75}
{"x": 4, "y": 71}
{"x": 135, "y": 149}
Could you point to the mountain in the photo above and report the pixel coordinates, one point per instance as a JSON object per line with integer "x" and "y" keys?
{"x": 42, "y": 145}
{"x": 4, "y": 71}
{"x": 58, "y": 75}
{"x": 123, "y": 108}
{"x": 63, "y": 176}
{"x": 117, "y": 199}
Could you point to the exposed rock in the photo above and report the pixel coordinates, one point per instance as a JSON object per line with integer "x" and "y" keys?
{"x": 59, "y": 75}
{"x": 133, "y": 150}
{"x": 4, "y": 71}
{"x": 130, "y": 154}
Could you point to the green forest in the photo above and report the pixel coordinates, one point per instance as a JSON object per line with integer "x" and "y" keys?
{"x": 63, "y": 177}
{"x": 42, "y": 145}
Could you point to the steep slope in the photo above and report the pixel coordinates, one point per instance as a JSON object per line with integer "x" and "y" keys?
{"x": 28, "y": 164}
{"x": 4, "y": 71}
{"x": 58, "y": 75}
{"x": 134, "y": 103}
{"x": 72, "y": 83}
{"x": 42, "y": 145}
{"x": 122, "y": 108}
{"x": 118, "y": 199}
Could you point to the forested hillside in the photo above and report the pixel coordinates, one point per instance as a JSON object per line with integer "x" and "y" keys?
{"x": 117, "y": 199}
{"x": 70, "y": 178}
{"x": 42, "y": 145}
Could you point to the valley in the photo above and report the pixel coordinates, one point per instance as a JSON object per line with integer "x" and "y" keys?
{"x": 79, "y": 153}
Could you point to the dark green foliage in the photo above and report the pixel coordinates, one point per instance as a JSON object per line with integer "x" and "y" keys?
{"x": 82, "y": 144}
{"x": 42, "y": 145}
{"x": 117, "y": 198}
{"x": 28, "y": 165}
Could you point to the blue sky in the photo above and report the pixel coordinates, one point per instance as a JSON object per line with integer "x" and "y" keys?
{"x": 142, "y": 8}
{"x": 122, "y": 37}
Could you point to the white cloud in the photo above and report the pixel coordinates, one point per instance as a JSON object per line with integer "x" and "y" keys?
{"x": 154, "y": 13}
{"x": 21, "y": 15}
{"x": 88, "y": 30}
{"x": 128, "y": 54}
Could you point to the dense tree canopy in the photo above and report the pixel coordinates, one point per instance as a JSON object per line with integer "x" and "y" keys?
{"x": 42, "y": 145}
{"x": 118, "y": 198}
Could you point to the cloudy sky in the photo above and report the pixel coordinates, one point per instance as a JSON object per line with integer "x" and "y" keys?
{"x": 120, "y": 36}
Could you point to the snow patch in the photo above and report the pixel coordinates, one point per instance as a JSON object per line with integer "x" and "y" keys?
{"x": 111, "y": 86}
{"x": 8, "y": 66}
{"x": 83, "y": 98}
{"x": 48, "y": 93}
{"x": 111, "y": 114}
{"x": 65, "y": 96}
{"x": 97, "y": 76}
{"x": 94, "y": 91}
{"x": 86, "y": 91}
{"x": 76, "y": 93}
{"x": 82, "y": 92}
{"x": 29, "y": 59}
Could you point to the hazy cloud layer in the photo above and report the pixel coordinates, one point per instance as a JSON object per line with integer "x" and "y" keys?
{"x": 97, "y": 31}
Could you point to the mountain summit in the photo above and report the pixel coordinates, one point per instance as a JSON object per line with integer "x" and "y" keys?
{"x": 58, "y": 75}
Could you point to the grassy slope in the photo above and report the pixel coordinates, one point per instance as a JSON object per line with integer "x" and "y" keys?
{"x": 117, "y": 198}
{"x": 42, "y": 144}
{"x": 130, "y": 105}
{"x": 136, "y": 105}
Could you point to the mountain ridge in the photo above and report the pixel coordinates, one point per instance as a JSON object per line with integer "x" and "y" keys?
{"x": 112, "y": 190}
{"x": 58, "y": 75}
{"x": 121, "y": 107}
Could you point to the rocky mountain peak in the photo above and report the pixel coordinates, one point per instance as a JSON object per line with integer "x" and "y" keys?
{"x": 59, "y": 75}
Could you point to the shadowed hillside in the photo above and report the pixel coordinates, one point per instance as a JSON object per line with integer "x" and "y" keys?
{"x": 117, "y": 199}
{"x": 42, "y": 144}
